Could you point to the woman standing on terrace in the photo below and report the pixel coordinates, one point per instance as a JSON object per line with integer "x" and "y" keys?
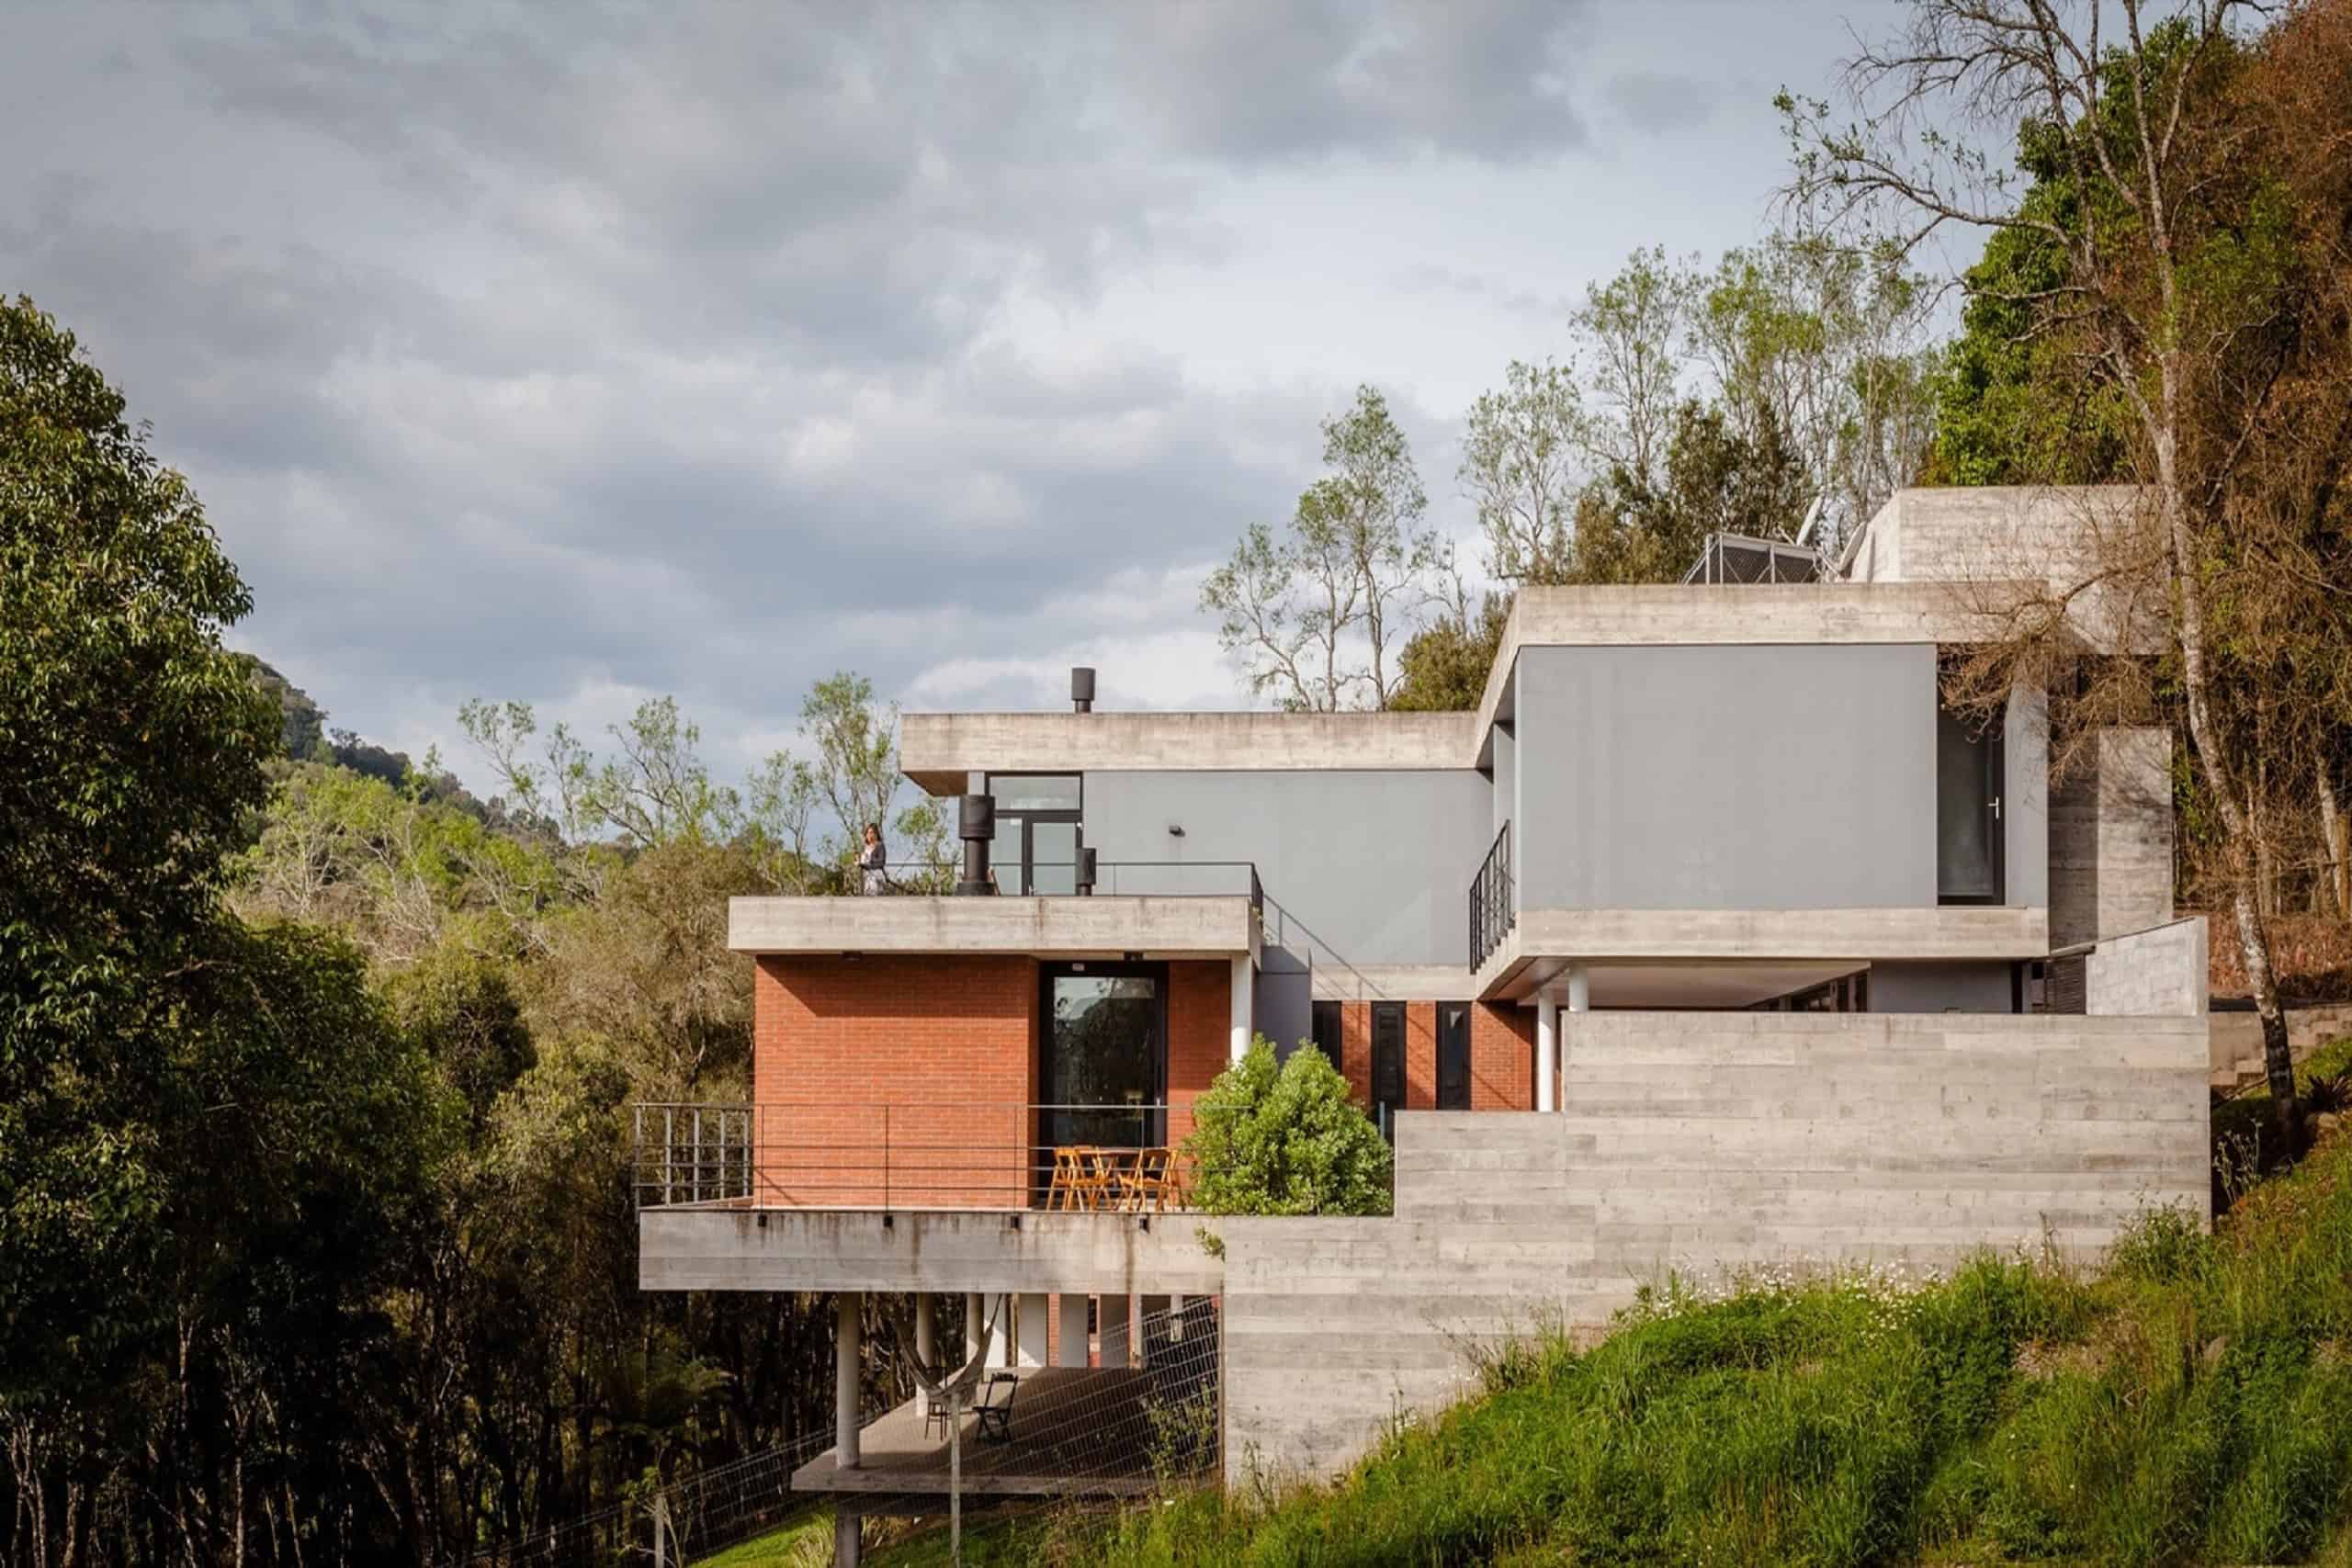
{"x": 873, "y": 862}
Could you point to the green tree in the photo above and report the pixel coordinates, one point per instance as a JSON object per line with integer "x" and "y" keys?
{"x": 1447, "y": 663}
{"x": 1320, "y": 616}
{"x": 1521, "y": 457}
{"x": 132, "y": 745}
{"x": 1271, "y": 1139}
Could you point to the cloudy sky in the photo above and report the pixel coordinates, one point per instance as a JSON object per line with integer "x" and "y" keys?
{"x": 577, "y": 355}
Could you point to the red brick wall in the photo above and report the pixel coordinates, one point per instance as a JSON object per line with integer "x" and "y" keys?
{"x": 1502, "y": 1069}
{"x": 898, "y": 1080}
{"x": 1200, "y": 1036}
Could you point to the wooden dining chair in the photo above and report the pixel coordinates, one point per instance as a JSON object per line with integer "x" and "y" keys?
{"x": 1068, "y": 1187}
{"x": 1144, "y": 1184}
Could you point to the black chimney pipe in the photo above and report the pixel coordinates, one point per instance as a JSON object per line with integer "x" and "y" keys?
{"x": 1081, "y": 688}
{"x": 975, "y": 825}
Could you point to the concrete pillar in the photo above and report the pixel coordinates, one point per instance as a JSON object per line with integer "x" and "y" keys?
{"x": 1116, "y": 1329}
{"x": 1244, "y": 988}
{"x": 1029, "y": 1329}
{"x": 927, "y": 1345}
{"x": 1579, "y": 1003}
{"x": 976, "y": 1311}
{"x": 1547, "y": 1054}
{"x": 848, "y": 1537}
{"x": 1151, "y": 1326}
{"x": 846, "y": 1360}
{"x": 1070, "y": 1332}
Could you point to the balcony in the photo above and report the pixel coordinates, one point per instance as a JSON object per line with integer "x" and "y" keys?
{"x": 1492, "y": 908}
{"x": 1076, "y": 1159}
{"x": 1160, "y": 910}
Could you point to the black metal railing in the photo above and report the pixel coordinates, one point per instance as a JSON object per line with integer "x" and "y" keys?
{"x": 1492, "y": 908}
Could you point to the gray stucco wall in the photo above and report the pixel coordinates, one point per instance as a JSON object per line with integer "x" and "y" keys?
{"x": 1941, "y": 987}
{"x": 1773, "y": 777}
{"x": 1370, "y": 867}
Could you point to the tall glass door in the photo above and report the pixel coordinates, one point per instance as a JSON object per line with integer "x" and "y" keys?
{"x": 1103, "y": 1030}
{"x": 1969, "y": 843}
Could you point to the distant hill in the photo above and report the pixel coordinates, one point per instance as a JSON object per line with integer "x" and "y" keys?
{"x": 307, "y": 738}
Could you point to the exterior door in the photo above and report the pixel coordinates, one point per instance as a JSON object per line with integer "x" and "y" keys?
{"x": 1453, "y": 1055}
{"x": 1324, "y": 1025}
{"x": 1388, "y": 1058}
{"x": 1970, "y": 846}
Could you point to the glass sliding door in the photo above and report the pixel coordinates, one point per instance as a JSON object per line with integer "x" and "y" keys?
{"x": 1103, "y": 1067}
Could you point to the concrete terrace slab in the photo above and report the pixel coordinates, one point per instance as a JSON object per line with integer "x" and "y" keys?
{"x": 1158, "y": 926}
{"x": 1074, "y": 1430}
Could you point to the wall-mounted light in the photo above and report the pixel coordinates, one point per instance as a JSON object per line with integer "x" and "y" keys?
{"x": 1175, "y": 829}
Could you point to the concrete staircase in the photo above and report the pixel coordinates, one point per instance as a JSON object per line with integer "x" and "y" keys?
{"x": 2235, "y": 1054}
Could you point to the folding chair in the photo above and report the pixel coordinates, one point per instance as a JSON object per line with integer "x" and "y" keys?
{"x": 996, "y": 1414}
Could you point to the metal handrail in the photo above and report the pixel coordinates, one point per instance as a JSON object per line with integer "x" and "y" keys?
{"x": 940, "y": 1153}
{"x": 1493, "y": 909}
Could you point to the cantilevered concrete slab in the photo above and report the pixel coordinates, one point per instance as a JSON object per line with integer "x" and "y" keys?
{"x": 940, "y": 750}
{"x": 1022, "y": 1251}
{"x": 1210, "y": 926}
{"x": 1545, "y": 943}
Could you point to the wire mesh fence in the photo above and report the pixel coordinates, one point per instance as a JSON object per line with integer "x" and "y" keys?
{"x": 1141, "y": 1416}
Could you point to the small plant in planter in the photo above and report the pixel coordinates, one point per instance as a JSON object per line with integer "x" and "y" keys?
{"x": 1285, "y": 1139}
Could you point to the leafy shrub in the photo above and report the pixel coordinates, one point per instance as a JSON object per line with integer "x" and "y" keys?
{"x": 1271, "y": 1139}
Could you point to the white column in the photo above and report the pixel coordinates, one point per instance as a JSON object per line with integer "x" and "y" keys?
{"x": 1244, "y": 989}
{"x": 927, "y": 1345}
{"x": 1547, "y": 1054}
{"x": 845, "y": 1367}
{"x": 1069, "y": 1332}
{"x": 1115, "y": 1327}
{"x": 976, "y": 1311}
{"x": 1580, "y": 1003}
{"x": 1029, "y": 1330}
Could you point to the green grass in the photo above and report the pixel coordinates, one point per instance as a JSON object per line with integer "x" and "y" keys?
{"x": 2192, "y": 1404}
{"x": 804, "y": 1544}
{"x": 2244, "y": 1142}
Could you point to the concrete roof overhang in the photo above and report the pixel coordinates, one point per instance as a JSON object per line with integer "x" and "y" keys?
{"x": 1108, "y": 926}
{"x": 1818, "y": 944}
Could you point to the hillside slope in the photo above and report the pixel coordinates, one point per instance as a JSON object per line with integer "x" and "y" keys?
{"x": 2192, "y": 1404}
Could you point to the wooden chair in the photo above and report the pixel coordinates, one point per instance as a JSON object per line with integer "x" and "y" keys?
{"x": 1106, "y": 1171}
{"x": 1068, "y": 1189}
{"x": 995, "y": 1408}
{"x": 1150, "y": 1184}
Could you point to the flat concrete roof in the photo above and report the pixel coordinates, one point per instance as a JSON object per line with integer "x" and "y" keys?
{"x": 1158, "y": 926}
{"x": 940, "y": 750}
{"x": 1543, "y": 944}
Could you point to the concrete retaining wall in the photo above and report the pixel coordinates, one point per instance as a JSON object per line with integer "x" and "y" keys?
{"x": 1697, "y": 1143}
{"x": 2161, "y": 971}
{"x": 2110, "y": 839}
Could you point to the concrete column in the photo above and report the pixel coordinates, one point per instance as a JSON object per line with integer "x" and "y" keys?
{"x": 1115, "y": 1327}
{"x": 849, "y": 1538}
{"x": 1245, "y": 977}
{"x": 1070, "y": 1332}
{"x": 1029, "y": 1329}
{"x": 846, "y": 1358}
{"x": 976, "y": 1311}
{"x": 1151, "y": 1325}
{"x": 927, "y": 1345}
{"x": 1547, "y": 1054}
{"x": 1579, "y": 1003}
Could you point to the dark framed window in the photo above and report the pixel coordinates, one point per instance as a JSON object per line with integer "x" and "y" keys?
{"x": 1971, "y": 848}
{"x": 1039, "y": 826}
{"x": 1388, "y": 1055}
{"x": 1453, "y": 1055}
{"x": 1102, "y": 1054}
{"x": 1324, "y": 1030}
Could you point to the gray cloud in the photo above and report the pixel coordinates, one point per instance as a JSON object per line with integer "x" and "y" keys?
{"x": 611, "y": 349}
{"x": 1661, "y": 100}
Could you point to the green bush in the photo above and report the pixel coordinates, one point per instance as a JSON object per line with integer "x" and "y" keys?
{"x": 1285, "y": 1140}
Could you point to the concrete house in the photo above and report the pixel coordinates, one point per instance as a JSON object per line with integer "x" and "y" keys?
{"x": 1710, "y": 940}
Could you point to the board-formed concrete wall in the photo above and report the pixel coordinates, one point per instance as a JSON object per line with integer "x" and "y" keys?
{"x": 2162, "y": 970}
{"x": 1696, "y": 1143}
{"x": 2110, "y": 839}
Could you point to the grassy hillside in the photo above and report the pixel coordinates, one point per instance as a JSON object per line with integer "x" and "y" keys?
{"x": 2192, "y": 1404}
